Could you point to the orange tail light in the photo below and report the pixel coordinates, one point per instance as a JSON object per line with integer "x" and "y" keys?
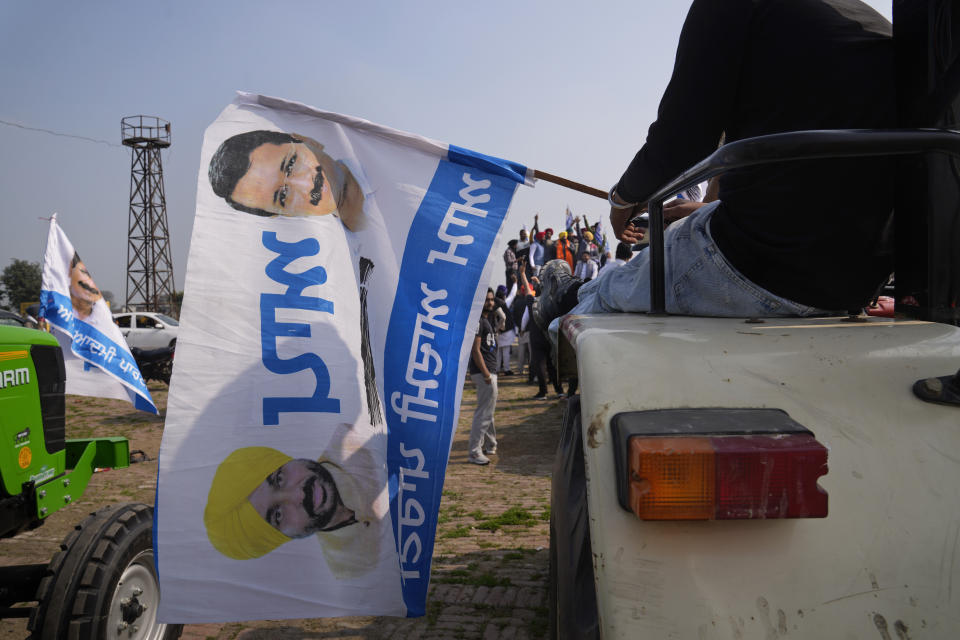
{"x": 685, "y": 472}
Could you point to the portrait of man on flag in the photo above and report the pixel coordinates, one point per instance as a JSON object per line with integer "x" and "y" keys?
{"x": 83, "y": 291}
{"x": 333, "y": 501}
{"x": 274, "y": 173}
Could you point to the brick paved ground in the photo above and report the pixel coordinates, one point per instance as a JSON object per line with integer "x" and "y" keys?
{"x": 490, "y": 561}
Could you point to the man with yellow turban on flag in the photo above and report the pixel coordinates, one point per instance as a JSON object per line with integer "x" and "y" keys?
{"x": 262, "y": 498}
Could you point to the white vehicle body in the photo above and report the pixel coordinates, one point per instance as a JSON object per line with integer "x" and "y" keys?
{"x": 884, "y": 563}
{"x": 147, "y": 330}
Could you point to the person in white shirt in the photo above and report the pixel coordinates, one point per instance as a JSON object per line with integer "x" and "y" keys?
{"x": 536, "y": 253}
{"x": 508, "y": 329}
{"x": 587, "y": 268}
{"x": 523, "y": 243}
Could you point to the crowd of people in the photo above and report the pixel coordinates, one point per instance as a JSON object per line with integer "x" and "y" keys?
{"x": 584, "y": 248}
{"x": 508, "y": 341}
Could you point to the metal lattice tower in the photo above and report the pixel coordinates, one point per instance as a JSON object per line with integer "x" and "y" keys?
{"x": 150, "y": 285}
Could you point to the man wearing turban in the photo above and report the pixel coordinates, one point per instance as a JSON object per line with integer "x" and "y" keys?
{"x": 262, "y": 498}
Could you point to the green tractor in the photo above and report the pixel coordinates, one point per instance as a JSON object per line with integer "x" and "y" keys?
{"x": 103, "y": 581}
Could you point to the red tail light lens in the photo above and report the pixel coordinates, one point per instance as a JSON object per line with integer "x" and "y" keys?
{"x": 727, "y": 477}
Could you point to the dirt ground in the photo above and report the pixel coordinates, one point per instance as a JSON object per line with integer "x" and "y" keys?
{"x": 489, "y": 563}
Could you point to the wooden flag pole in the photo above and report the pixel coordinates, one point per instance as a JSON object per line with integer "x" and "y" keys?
{"x": 569, "y": 184}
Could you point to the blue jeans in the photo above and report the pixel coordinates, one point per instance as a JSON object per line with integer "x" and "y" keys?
{"x": 699, "y": 280}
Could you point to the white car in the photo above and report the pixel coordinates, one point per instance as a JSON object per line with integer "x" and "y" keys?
{"x": 147, "y": 330}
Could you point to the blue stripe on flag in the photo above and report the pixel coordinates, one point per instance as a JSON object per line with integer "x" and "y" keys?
{"x": 489, "y": 164}
{"x": 93, "y": 347}
{"x": 448, "y": 244}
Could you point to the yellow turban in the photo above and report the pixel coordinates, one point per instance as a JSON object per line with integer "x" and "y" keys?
{"x": 563, "y": 234}
{"x": 234, "y": 527}
{"x": 587, "y": 236}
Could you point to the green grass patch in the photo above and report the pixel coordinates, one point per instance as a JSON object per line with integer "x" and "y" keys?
{"x": 458, "y": 532}
{"x": 477, "y": 514}
{"x": 545, "y": 514}
{"x": 514, "y": 516}
{"x": 490, "y": 580}
{"x": 449, "y": 513}
{"x": 486, "y": 544}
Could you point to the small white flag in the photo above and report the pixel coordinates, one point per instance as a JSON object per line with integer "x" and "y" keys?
{"x": 95, "y": 354}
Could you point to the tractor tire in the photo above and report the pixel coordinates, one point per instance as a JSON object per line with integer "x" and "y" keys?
{"x": 102, "y": 583}
{"x": 571, "y": 590}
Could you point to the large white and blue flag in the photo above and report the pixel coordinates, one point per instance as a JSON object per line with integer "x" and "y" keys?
{"x": 95, "y": 354}
{"x": 335, "y": 268}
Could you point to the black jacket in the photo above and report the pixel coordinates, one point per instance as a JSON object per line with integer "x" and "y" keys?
{"x": 807, "y": 231}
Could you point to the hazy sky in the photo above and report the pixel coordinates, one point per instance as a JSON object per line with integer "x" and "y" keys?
{"x": 566, "y": 87}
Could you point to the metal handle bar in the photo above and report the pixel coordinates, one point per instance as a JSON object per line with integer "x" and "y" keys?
{"x": 784, "y": 147}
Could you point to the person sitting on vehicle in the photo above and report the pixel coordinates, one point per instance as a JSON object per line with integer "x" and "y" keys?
{"x": 745, "y": 69}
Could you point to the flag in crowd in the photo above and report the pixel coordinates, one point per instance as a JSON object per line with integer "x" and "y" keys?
{"x": 307, "y": 438}
{"x": 95, "y": 354}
